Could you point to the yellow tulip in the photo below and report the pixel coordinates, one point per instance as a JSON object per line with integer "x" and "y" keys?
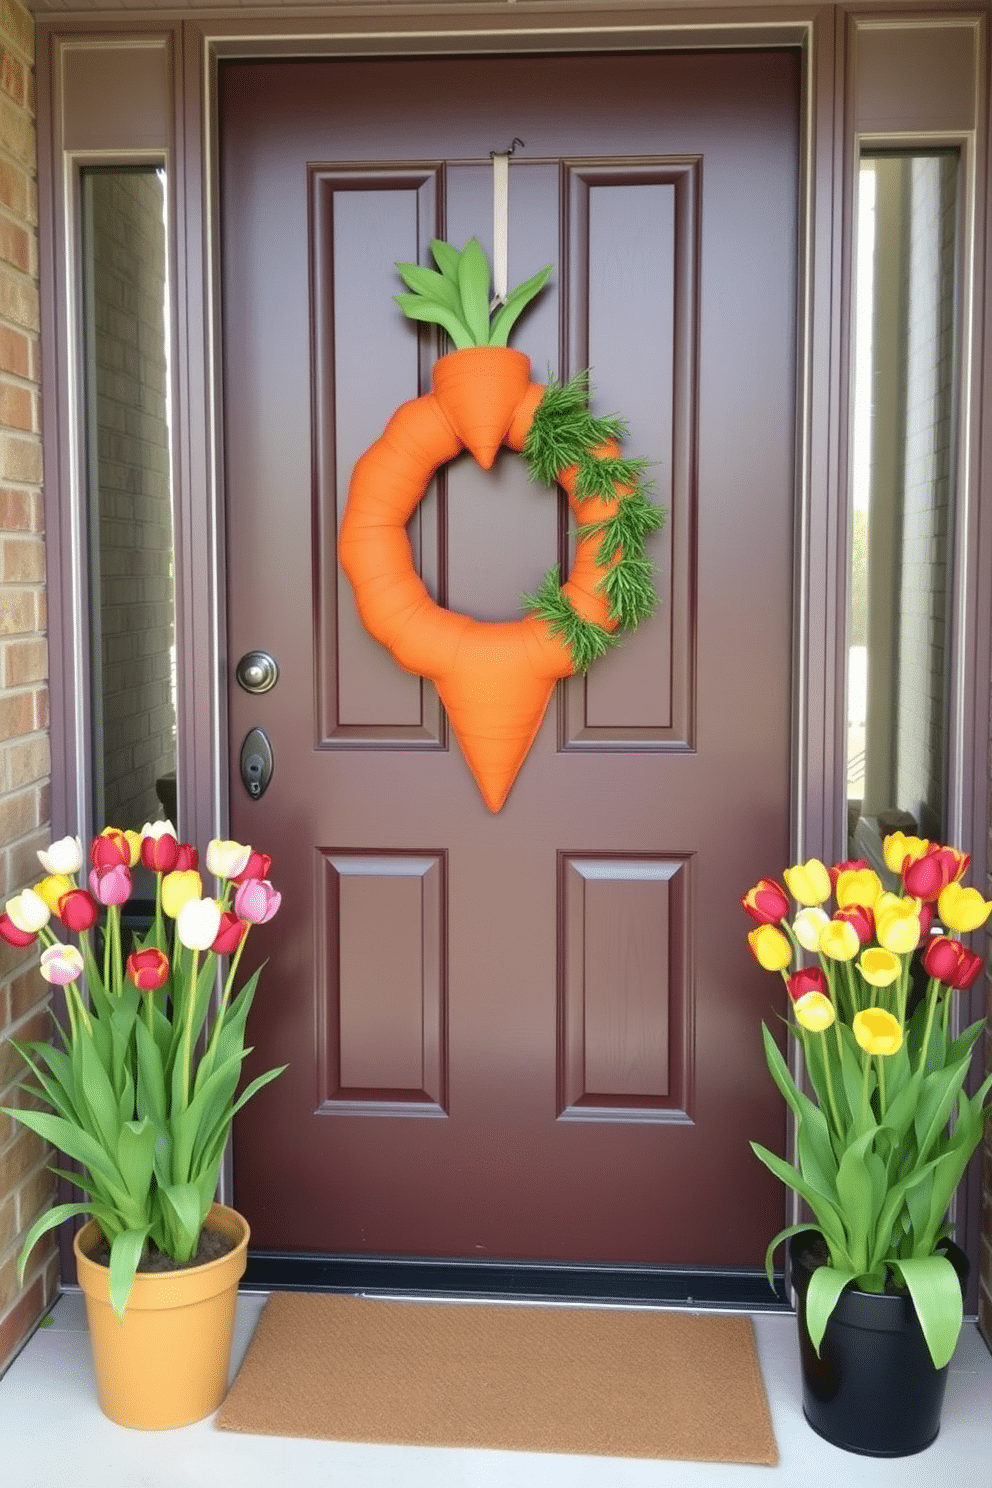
{"x": 897, "y": 847}
{"x": 877, "y": 1031}
{"x": 879, "y": 967}
{"x": 808, "y": 883}
{"x": 962, "y": 909}
{"x": 771, "y": 948}
{"x": 897, "y": 924}
{"x": 858, "y": 886}
{"x": 52, "y": 887}
{"x": 178, "y": 887}
{"x": 134, "y": 844}
{"x": 839, "y": 940}
{"x": 814, "y": 1012}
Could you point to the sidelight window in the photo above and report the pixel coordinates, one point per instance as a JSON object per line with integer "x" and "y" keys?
{"x": 132, "y": 662}
{"x": 903, "y": 484}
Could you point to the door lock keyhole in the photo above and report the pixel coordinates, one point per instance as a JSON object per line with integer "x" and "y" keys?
{"x": 256, "y": 763}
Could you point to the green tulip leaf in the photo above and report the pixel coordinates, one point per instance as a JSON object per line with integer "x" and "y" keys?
{"x": 50, "y": 1220}
{"x": 786, "y": 1234}
{"x": 125, "y": 1254}
{"x": 185, "y": 1217}
{"x": 936, "y": 1292}
{"x": 826, "y": 1213}
{"x": 825, "y": 1286}
{"x": 136, "y": 1157}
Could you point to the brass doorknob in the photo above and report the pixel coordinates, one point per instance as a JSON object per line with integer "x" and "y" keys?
{"x": 257, "y": 671}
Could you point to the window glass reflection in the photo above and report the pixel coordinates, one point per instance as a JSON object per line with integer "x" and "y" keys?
{"x": 132, "y": 605}
{"x": 903, "y": 440}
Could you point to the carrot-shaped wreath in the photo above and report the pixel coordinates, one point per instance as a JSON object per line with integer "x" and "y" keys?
{"x": 495, "y": 679}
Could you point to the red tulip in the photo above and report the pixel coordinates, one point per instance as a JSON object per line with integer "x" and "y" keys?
{"x": 257, "y": 866}
{"x": 148, "y": 969}
{"x": 948, "y": 961}
{"x": 187, "y": 858}
{"x": 230, "y": 935}
{"x": 926, "y": 877}
{"x": 10, "y": 933}
{"x": 926, "y": 922}
{"x": 767, "y": 902}
{"x": 160, "y": 853}
{"x": 110, "y": 849}
{"x": 78, "y": 910}
{"x": 862, "y": 918}
{"x": 971, "y": 965}
{"x": 808, "y": 979}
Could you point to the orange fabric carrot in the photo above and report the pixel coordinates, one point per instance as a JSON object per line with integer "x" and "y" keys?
{"x": 494, "y": 679}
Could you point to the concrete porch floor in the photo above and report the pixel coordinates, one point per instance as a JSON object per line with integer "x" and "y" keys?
{"x": 52, "y": 1431}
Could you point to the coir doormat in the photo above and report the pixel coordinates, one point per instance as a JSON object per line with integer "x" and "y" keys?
{"x": 607, "y": 1382}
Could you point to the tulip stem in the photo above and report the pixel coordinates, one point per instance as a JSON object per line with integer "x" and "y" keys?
{"x": 114, "y": 935}
{"x": 830, "y": 1085}
{"x": 881, "y": 1088}
{"x": 188, "y": 1030}
{"x": 851, "y": 989}
{"x": 903, "y": 991}
{"x": 931, "y": 1009}
{"x": 225, "y": 999}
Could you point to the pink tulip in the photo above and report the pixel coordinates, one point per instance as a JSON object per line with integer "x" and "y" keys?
{"x": 256, "y": 901}
{"x": 112, "y": 884}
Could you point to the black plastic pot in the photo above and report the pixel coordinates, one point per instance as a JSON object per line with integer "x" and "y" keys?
{"x": 873, "y": 1389}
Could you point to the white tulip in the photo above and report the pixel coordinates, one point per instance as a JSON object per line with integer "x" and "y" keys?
{"x": 61, "y": 964}
{"x": 807, "y": 927}
{"x": 28, "y": 912}
{"x": 159, "y": 829}
{"x": 197, "y": 923}
{"x": 226, "y": 859}
{"x": 64, "y": 856}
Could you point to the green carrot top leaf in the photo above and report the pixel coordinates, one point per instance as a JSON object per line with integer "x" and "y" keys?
{"x": 458, "y": 295}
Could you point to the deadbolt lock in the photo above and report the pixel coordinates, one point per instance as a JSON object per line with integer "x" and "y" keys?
{"x": 256, "y": 763}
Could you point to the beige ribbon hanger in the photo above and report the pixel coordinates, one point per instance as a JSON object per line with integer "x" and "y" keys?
{"x": 501, "y": 222}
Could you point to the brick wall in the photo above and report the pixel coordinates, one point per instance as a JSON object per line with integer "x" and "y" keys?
{"x": 25, "y": 1185}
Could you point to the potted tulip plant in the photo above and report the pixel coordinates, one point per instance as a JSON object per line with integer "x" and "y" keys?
{"x": 140, "y": 1089}
{"x": 883, "y": 1135}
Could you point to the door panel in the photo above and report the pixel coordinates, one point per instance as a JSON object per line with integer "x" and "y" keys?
{"x": 535, "y": 1034}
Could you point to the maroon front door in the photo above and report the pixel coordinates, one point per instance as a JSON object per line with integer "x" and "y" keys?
{"x": 534, "y": 1034}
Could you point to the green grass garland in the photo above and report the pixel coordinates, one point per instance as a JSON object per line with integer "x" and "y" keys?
{"x": 565, "y": 433}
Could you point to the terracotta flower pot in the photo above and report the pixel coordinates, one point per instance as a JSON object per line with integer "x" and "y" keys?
{"x": 873, "y": 1388}
{"x": 166, "y": 1363}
